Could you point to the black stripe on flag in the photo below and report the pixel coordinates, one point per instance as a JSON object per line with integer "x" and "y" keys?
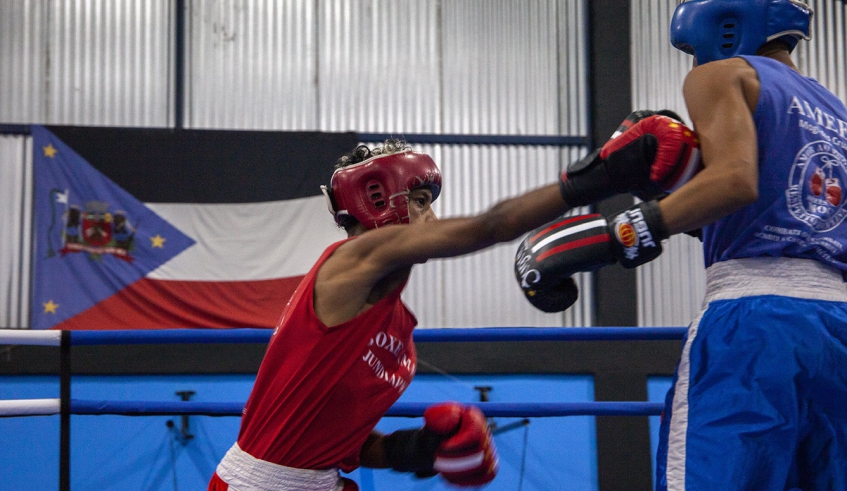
{"x": 158, "y": 165}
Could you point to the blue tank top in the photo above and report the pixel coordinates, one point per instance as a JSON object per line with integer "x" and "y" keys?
{"x": 802, "y": 205}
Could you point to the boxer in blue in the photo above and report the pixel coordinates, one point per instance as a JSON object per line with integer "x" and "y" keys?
{"x": 759, "y": 399}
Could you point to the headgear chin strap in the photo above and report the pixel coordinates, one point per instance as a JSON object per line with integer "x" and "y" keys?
{"x": 718, "y": 29}
{"x": 376, "y": 192}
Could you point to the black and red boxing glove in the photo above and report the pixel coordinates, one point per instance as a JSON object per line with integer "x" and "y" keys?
{"x": 455, "y": 442}
{"x": 638, "y": 115}
{"x": 548, "y": 257}
{"x": 648, "y": 157}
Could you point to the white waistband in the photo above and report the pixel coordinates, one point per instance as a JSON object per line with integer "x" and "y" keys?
{"x": 243, "y": 472}
{"x": 787, "y": 277}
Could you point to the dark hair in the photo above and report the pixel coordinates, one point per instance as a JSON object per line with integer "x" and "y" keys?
{"x": 348, "y": 223}
{"x": 363, "y": 152}
{"x": 779, "y": 43}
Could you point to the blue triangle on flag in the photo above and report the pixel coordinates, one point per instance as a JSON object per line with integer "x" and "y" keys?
{"x": 91, "y": 238}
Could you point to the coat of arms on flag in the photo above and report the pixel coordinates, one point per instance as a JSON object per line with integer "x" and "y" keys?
{"x": 96, "y": 229}
{"x": 92, "y": 238}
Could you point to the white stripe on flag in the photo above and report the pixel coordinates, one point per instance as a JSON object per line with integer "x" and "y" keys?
{"x": 243, "y": 242}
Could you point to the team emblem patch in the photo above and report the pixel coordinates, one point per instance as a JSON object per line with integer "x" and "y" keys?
{"x": 626, "y": 234}
{"x": 815, "y": 194}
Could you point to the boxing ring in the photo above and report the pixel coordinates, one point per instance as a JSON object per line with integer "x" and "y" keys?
{"x": 65, "y": 405}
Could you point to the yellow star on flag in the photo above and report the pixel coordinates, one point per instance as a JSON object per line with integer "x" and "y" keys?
{"x": 50, "y": 151}
{"x": 158, "y": 241}
{"x": 50, "y": 307}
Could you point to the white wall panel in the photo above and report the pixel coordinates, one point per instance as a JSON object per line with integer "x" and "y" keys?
{"x": 501, "y": 67}
{"x": 573, "y": 67}
{"x": 109, "y": 63}
{"x": 379, "y": 66}
{"x": 251, "y": 64}
{"x": 658, "y": 69}
{"x": 22, "y": 61}
{"x": 825, "y": 56}
{"x": 15, "y": 223}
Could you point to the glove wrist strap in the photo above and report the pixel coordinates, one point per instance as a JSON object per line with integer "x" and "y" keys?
{"x": 412, "y": 450}
{"x": 637, "y": 234}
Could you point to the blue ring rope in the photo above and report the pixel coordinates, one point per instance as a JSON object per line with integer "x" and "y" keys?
{"x": 434, "y": 138}
{"x": 549, "y": 334}
{"x": 400, "y": 409}
{"x": 480, "y": 139}
{"x": 169, "y": 336}
{"x": 176, "y": 336}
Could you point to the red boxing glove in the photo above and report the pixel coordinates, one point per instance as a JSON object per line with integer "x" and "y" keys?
{"x": 675, "y": 161}
{"x": 468, "y": 456}
{"x": 648, "y": 157}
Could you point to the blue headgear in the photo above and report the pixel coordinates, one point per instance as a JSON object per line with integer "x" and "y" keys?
{"x": 718, "y": 29}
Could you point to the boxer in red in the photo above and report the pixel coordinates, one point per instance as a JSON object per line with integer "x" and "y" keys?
{"x": 342, "y": 353}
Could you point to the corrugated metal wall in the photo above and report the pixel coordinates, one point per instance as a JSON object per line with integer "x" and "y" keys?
{"x": 403, "y": 66}
{"x": 507, "y": 67}
{"x": 671, "y": 288}
{"x": 95, "y": 62}
{"x": 825, "y": 56}
{"x": 23, "y": 47}
{"x": 109, "y": 63}
{"x": 251, "y": 65}
{"x": 15, "y": 197}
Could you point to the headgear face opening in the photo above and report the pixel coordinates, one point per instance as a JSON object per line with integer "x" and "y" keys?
{"x": 718, "y": 29}
{"x": 376, "y": 191}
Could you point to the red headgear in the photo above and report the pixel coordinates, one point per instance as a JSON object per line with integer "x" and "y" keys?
{"x": 376, "y": 192}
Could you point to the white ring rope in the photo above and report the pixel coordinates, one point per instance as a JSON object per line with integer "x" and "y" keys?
{"x": 34, "y": 338}
{"x": 29, "y": 407}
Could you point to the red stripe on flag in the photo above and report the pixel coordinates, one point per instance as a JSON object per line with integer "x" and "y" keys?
{"x": 564, "y": 222}
{"x": 594, "y": 239}
{"x": 157, "y": 304}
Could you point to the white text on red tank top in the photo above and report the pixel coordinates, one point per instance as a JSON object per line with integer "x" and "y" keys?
{"x": 387, "y": 344}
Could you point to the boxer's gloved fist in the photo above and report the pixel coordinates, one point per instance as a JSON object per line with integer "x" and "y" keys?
{"x": 467, "y": 457}
{"x": 455, "y": 442}
{"x": 549, "y": 256}
{"x": 544, "y": 280}
{"x": 638, "y": 115}
{"x": 649, "y": 158}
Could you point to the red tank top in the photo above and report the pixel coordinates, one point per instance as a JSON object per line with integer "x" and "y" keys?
{"x": 320, "y": 391}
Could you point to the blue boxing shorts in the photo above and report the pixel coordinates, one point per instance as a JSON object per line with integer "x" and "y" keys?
{"x": 759, "y": 398}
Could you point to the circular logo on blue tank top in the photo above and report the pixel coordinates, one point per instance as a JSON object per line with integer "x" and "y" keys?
{"x": 815, "y": 188}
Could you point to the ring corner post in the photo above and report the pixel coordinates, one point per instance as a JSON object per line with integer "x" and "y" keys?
{"x": 65, "y": 411}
